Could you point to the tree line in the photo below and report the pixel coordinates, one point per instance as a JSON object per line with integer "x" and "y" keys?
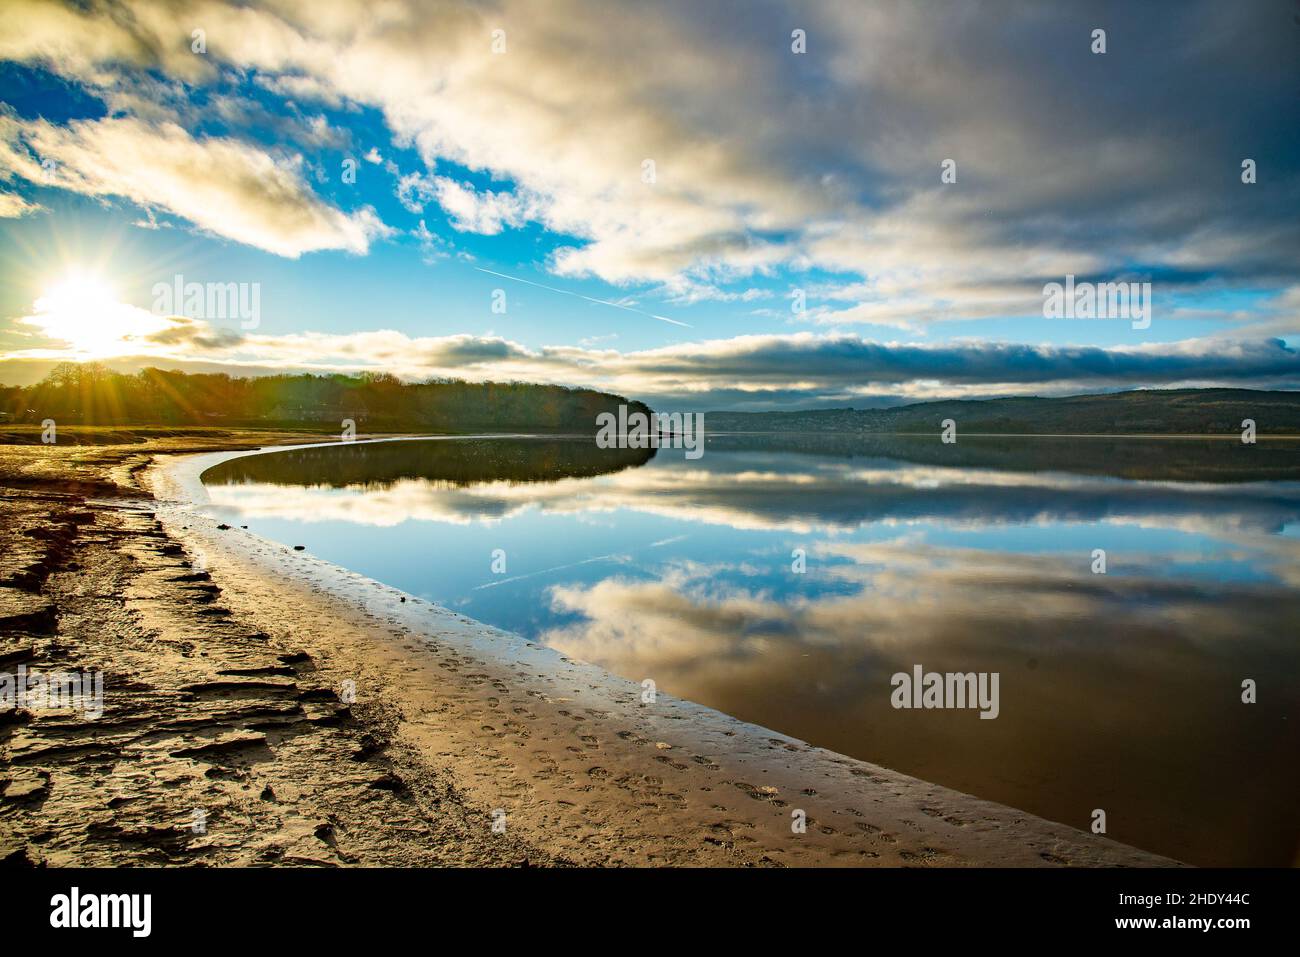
{"x": 92, "y": 394}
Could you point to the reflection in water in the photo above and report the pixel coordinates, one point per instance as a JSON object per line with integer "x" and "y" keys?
{"x": 454, "y": 461}
{"x": 1119, "y": 691}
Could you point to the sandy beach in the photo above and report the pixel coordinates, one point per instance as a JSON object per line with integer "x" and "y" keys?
{"x": 307, "y": 715}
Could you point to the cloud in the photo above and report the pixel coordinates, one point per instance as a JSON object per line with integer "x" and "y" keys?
{"x": 222, "y": 185}
{"x": 12, "y": 206}
{"x": 314, "y": 133}
{"x": 193, "y": 333}
{"x": 307, "y": 88}
{"x": 432, "y": 246}
{"x": 79, "y": 327}
{"x": 469, "y": 210}
{"x": 767, "y": 160}
{"x": 485, "y": 212}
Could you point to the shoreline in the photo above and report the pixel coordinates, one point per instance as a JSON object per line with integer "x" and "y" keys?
{"x": 579, "y": 765}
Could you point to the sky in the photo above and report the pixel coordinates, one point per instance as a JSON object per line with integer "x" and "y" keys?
{"x": 723, "y": 205}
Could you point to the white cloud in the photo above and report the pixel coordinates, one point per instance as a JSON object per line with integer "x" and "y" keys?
{"x": 12, "y": 206}
{"x": 432, "y": 247}
{"x": 485, "y": 212}
{"x": 224, "y": 186}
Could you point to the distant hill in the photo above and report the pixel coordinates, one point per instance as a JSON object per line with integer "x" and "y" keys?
{"x": 1154, "y": 411}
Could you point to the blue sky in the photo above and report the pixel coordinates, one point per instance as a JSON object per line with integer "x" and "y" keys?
{"x": 672, "y": 164}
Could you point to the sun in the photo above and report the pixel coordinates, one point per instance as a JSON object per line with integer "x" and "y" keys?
{"x": 84, "y": 311}
{"x": 77, "y": 299}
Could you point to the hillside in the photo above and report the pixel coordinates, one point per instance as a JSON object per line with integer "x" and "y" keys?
{"x": 1166, "y": 412}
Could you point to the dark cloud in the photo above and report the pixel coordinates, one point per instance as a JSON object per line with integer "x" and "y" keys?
{"x": 200, "y": 335}
{"x": 844, "y": 363}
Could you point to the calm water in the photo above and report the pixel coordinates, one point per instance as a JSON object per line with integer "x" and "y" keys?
{"x": 1119, "y": 691}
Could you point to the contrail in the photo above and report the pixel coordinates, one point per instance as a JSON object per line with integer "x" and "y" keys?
{"x": 603, "y": 302}
{"x": 544, "y": 571}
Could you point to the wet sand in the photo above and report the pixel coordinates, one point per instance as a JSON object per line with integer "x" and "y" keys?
{"x": 318, "y": 718}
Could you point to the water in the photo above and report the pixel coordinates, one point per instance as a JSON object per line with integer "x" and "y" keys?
{"x": 1119, "y": 691}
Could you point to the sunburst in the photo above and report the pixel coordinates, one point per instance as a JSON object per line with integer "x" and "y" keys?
{"x": 83, "y": 311}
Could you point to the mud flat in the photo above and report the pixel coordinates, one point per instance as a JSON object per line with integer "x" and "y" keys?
{"x": 307, "y": 715}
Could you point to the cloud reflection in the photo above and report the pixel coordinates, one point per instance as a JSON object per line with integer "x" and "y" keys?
{"x": 1099, "y": 673}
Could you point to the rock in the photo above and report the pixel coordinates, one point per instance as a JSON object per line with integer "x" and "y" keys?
{"x": 16, "y": 857}
{"x": 14, "y": 716}
{"x": 252, "y": 684}
{"x": 27, "y": 612}
{"x": 226, "y": 744}
{"x": 318, "y": 694}
{"x": 24, "y": 653}
{"x": 192, "y": 577}
{"x": 388, "y": 782}
{"x": 326, "y": 715}
{"x": 27, "y": 789}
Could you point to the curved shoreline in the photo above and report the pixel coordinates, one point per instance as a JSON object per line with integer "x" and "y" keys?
{"x": 580, "y": 766}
